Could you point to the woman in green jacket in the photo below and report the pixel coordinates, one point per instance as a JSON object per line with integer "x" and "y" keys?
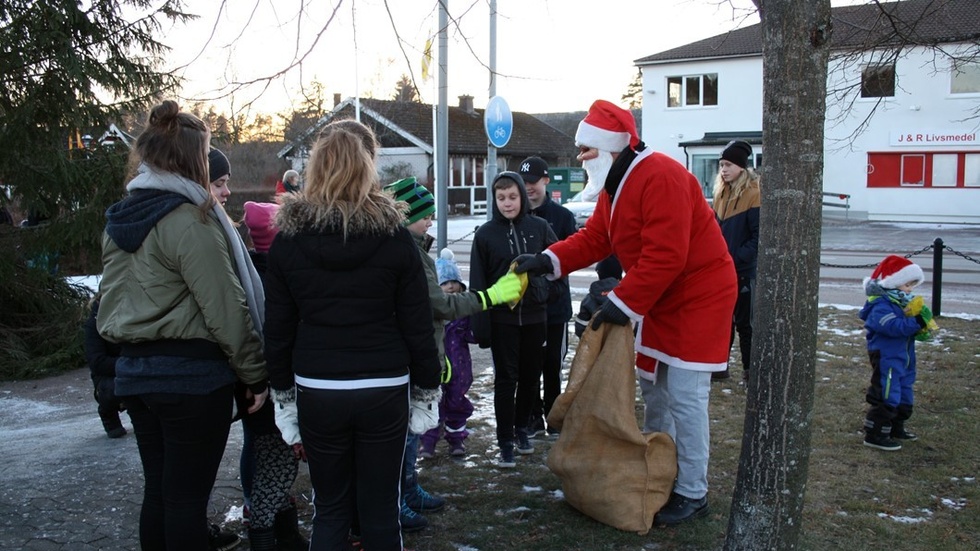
{"x": 181, "y": 297}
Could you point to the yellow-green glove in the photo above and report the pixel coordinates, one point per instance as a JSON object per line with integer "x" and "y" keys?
{"x": 930, "y": 326}
{"x": 506, "y": 289}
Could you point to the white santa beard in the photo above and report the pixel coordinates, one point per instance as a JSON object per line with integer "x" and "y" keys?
{"x": 598, "y": 170}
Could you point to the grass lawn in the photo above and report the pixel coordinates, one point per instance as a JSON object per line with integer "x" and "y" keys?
{"x": 923, "y": 497}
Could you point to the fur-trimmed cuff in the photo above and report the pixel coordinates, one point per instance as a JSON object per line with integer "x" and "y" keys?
{"x": 426, "y": 394}
{"x": 287, "y": 396}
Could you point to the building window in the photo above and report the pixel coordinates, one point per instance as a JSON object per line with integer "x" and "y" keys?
{"x": 692, "y": 90}
{"x": 878, "y": 81}
{"x": 955, "y": 170}
{"x": 913, "y": 170}
{"x": 971, "y": 170}
{"x": 965, "y": 77}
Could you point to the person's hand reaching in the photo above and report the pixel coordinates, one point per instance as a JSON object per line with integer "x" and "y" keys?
{"x": 611, "y": 313}
{"x": 534, "y": 264}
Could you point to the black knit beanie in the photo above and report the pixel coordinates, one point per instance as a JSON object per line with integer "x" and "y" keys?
{"x": 737, "y": 152}
{"x": 218, "y": 164}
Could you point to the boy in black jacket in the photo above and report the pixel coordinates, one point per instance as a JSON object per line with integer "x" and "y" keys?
{"x": 516, "y": 336}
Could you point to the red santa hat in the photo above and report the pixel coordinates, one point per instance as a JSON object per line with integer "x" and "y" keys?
{"x": 260, "y": 219}
{"x": 607, "y": 127}
{"x": 894, "y": 271}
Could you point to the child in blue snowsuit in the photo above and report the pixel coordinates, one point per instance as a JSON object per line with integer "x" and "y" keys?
{"x": 893, "y": 318}
{"x": 455, "y": 407}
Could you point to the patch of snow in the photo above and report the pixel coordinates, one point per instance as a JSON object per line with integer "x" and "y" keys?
{"x": 234, "y": 513}
{"x": 954, "y": 504}
{"x": 529, "y": 489}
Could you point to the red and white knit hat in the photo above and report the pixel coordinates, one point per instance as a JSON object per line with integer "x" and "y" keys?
{"x": 894, "y": 271}
{"x": 607, "y": 127}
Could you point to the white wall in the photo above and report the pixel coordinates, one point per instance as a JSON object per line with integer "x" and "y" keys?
{"x": 922, "y": 103}
{"x": 739, "y": 106}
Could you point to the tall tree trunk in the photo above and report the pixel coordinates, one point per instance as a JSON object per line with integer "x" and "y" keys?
{"x": 767, "y": 504}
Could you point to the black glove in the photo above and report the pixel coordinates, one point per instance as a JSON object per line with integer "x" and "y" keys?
{"x": 611, "y": 313}
{"x": 534, "y": 264}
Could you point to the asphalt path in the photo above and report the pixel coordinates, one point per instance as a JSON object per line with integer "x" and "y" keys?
{"x": 849, "y": 251}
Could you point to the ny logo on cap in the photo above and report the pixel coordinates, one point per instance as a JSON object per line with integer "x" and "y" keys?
{"x": 526, "y": 167}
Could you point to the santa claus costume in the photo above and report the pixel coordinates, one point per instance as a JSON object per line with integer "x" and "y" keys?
{"x": 679, "y": 287}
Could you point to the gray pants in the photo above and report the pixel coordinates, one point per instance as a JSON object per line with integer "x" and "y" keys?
{"x": 678, "y": 406}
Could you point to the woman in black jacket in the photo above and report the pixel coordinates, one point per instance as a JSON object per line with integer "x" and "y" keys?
{"x": 348, "y": 321}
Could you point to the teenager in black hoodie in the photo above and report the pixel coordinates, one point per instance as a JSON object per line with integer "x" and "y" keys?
{"x": 516, "y": 336}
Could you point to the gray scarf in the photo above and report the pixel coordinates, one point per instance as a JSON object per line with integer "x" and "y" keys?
{"x": 149, "y": 178}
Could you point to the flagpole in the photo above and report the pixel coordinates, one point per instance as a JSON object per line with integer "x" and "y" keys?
{"x": 442, "y": 128}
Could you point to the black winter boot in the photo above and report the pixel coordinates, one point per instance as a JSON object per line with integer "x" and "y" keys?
{"x": 875, "y": 437}
{"x": 261, "y": 539}
{"x": 112, "y": 424}
{"x": 288, "y": 536}
{"x": 899, "y": 433}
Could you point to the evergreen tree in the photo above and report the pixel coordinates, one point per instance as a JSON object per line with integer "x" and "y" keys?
{"x": 68, "y": 69}
{"x": 634, "y": 92}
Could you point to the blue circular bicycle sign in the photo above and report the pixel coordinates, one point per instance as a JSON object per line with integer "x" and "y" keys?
{"x": 498, "y": 121}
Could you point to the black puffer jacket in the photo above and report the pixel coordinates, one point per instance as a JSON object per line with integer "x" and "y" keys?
{"x": 346, "y": 309}
{"x": 495, "y": 246}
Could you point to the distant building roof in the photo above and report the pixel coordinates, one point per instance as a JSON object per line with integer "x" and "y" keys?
{"x": 408, "y": 124}
{"x": 919, "y": 22}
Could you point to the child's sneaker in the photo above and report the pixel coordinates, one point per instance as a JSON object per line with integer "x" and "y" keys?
{"x": 874, "y": 439}
{"x": 899, "y": 433}
{"x": 524, "y": 446}
{"x": 410, "y": 520}
{"x": 457, "y": 449}
{"x": 506, "y": 458}
{"x": 421, "y": 501}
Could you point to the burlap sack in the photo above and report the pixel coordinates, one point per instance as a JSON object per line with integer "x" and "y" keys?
{"x": 609, "y": 470}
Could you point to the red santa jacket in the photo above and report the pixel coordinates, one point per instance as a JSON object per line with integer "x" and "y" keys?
{"x": 680, "y": 283}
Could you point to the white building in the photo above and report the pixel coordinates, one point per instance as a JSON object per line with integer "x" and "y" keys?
{"x": 902, "y": 135}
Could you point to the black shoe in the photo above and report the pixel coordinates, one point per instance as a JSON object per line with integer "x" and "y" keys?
{"x": 898, "y": 432}
{"x": 720, "y": 375}
{"x": 222, "y": 540}
{"x": 536, "y": 427}
{"x": 524, "y": 446}
{"x": 117, "y": 432}
{"x": 680, "y": 509}
{"x": 879, "y": 441}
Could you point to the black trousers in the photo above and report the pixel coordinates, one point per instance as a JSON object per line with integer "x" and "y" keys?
{"x": 518, "y": 353}
{"x": 554, "y": 356}
{"x": 354, "y": 441}
{"x": 742, "y": 320}
{"x": 181, "y": 439}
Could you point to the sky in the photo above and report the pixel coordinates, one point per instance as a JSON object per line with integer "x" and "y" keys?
{"x": 552, "y": 55}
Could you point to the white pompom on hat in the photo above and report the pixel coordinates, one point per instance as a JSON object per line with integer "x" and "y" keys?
{"x": 895, "y": 271}
{"x": 446, "y": 268}
{"x": 607, "y": 127}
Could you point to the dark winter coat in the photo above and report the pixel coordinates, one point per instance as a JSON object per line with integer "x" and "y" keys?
{"x": 562, "y": 222}
{"x": 891, "y": 334}
{"x": 345, "y": 309}
{"x": 495, "y": 246}
{"x": 739, "y": 221}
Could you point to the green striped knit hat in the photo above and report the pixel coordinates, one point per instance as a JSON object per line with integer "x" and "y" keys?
{"x": 421, "y": 203}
